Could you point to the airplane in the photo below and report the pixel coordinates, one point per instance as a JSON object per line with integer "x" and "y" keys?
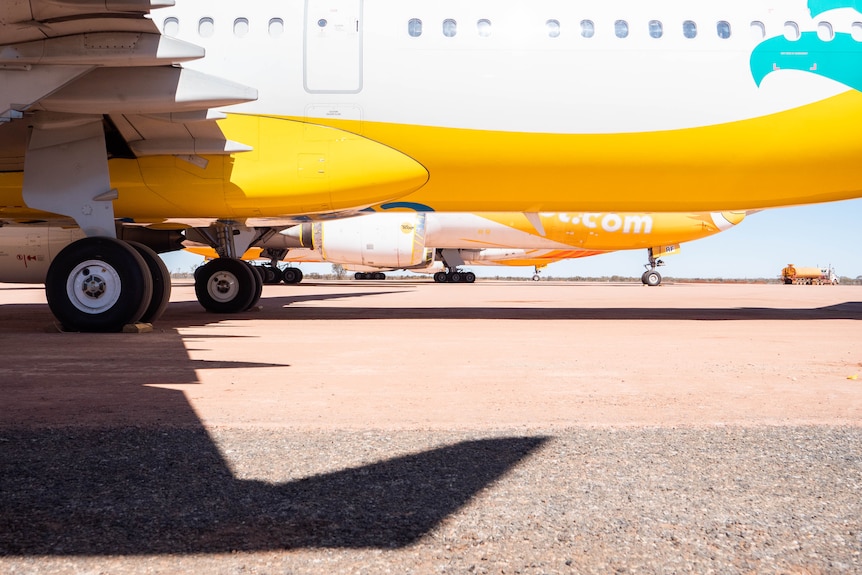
{"x": 228, "y": 121}
{"x": 440, "y": 242}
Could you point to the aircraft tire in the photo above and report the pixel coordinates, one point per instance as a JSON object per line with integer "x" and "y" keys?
{"x": 379, "y": 276}
{"x": 440, "y": 277}
{"x": 161, "y": 282}
{"x": 651, "y": 278}
{"x": 258, "y": 285}
{"x": 291, "y": 276}
{"x": 470, "y": 277}
{"x": 98, "y": 284}
{"x": 455, "y": 277}
{"x": 225, "y": 285}
{"x": 269, "y": 274}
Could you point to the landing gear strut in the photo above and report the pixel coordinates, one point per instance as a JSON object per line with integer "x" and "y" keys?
{"x": 651, "y": 277}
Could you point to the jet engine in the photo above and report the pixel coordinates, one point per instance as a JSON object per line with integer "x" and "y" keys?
{"x": 388, "y": 240}
{"x": 26, "y": 252}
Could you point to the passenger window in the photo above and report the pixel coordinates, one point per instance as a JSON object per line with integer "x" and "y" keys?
{"x": 621, "y": 29}
{"x": 758, "y": 30}
{"x": 171, "y": 27}
{"x": 553, "y": 27}
{"x": 655, "y": 29}
{"x": 450, "y": 28}
{"x": 825, "y": 31}
{"x": 856, "y": 31}
{"x": 484, "y": 28}
{"x": 414, "y": 27}
{"x": 276, "y": 27}
{"x": 689, "y": 29}
{"x": 588, "y": 29}
{"x": 723, "y": 29}
{"x": 240, "y": 27}
{"x": 791, "y": 31}
{"x": 206, "y": 27}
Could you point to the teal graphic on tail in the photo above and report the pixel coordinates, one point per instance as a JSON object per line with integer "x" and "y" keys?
{"x": 817, "y": 7}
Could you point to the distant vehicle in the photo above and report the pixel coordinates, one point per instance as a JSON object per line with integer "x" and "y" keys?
{"x": 810, "y": 276}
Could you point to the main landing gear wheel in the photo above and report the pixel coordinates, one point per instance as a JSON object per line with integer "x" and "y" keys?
{"x": 651, "y": 278}
{"x": 269, "y": 274}
{"x": 258, "y": 286}
{"x": 98, "y": 284}
{"x": 161, "y": 282}
{"x": 226, "y": 285}
{"x": 291, "y": 276}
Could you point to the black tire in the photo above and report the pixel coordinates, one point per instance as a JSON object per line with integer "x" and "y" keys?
{"x": 98, "y": 284}
{"x": 470, "y": 277}
{"x": 269, "y": 274}
{"x": 440, "y": 277}
{"x": 258, "y": 285}
{"x": 379, "y": 276}
{"x": 225, "y": 285}
{"x": 359, "y": 276}
{"x": 299, "y": 275}
{"x": 290, "y": 276}
{"x": 161, "y": 283}
{"x": 651, "y": 278}
{"x": 455, "y": 277}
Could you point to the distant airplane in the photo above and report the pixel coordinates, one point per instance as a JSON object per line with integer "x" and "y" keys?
{"x": 440, "y": 243}
{"x": 229, "y": 121}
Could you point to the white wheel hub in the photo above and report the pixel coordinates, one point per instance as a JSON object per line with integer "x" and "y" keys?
{"x": 223, "y": 287}
{"x": 93, "y": 286}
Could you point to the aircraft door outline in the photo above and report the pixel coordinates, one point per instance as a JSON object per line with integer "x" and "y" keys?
{"x": 332, "y": 59}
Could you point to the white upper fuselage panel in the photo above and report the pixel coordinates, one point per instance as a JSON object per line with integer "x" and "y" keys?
{"x": 505, "y": 68}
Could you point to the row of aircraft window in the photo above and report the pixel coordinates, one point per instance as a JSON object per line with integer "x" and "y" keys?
{"x": 689, "y": 28}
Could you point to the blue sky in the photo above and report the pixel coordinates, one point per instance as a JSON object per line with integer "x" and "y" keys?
{"x": 815, "y": 235}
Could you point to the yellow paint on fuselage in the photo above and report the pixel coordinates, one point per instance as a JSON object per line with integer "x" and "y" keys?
{"x": 294, "y": 169}
{"x": 804, "y": 155}
{"x": 611, "y": 231}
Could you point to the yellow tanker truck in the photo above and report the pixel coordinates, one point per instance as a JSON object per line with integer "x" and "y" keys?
{"x": 811, "y": 276}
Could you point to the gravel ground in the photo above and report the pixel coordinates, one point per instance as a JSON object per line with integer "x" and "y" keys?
{"x": 408, "y": 427}
{"x": 686, "y": 500}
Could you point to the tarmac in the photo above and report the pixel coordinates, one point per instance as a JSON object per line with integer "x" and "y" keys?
{"x": 354, "y": 383}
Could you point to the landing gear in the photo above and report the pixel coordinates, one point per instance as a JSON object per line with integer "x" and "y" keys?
{"x": 161, "y": 282}
{"x": 369, "y": 276}
{"x": 227, "y": 285}
{"x": 651, "y": 277}
{"x": 100, "y": 284}
{"x": 536, "y": 271}
{"x": 455, "y": 276}
{"x": 291, "y": 276}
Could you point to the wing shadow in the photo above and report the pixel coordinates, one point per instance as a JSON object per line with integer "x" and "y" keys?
{"x": 145, "y": 491}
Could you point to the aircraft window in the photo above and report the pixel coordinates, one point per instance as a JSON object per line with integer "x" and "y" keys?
{"x": 791, "y": 31}
{"x": 276, "y": 27}
{"x": 450, "y": 28}
{"x": 588, "y": 29}
{"x": 758, "y": 30}
{"x": 171, "y": 27}
{"x": 723, "y": 29}
{"x": 621, "y": 28}
{"x": 484, "y": 27}
{"x": 553, "y": 27}
{"x": 856, "y": 31}
{"x": 206, "y": 27}
{"x": 825, "y": 31}
{"x": 689, "y": 29}
{"x": 655, "y": 29}
{"x": 240, "y": 27}
{"x": 414, "y": 27}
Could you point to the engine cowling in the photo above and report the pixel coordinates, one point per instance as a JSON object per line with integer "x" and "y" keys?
{"x": 388, "y": 240}
{"x": 26, "y": 252}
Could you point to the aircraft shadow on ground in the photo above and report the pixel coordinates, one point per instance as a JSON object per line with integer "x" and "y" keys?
{"x": 137, "y": 491}
{"x": 143, "y": 476}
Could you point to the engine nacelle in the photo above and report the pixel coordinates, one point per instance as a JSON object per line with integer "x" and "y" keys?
{"x": 26, "y": 252}
{"x": 389, "y": 240}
